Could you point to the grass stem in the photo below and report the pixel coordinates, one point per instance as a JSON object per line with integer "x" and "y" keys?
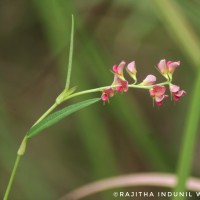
{"x": 12, "y": 177}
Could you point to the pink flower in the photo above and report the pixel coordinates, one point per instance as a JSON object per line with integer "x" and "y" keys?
{"x": 172, "y": 66}
{"x": 167, "y": 68}
{"x": 149, "y": 80}
{"x": 106, "y": 94}
{"x": 177, "y": 93}
{"x": 131, "y": 69}
{"x": 118, "y": 70}
{"x": 158, "y": 93}
{"x": 121, "y": 85}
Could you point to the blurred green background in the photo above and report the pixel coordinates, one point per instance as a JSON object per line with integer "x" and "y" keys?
{"x": 128, "y": 135}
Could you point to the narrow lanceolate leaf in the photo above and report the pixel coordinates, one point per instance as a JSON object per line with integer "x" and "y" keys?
{"x": 70, "y": 55}
{"x": 57, "y": 116}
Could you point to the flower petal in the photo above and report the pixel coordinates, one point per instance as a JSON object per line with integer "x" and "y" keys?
{"x": 115, "y": 68}
{"x": 181, "y": 93}
{"x": 131, "y": 67}
{"x": 177, "y": 93}
{"x": 174, "y": 88}
{"x": 160, "y": 98}
{"x": 157, "y": 90}
{"x": 176, "y": 98}
{"x": 119, "y": 88}
{"x": 149, "y": 80}
{"x": 108, "y": 92}
{"x": 152, "y": 92}
{"x": 123, "y": 86}
{"x": 162, "y": 65}
{"x": 172, "y": 66}
{"x": 119, "y": 69}
{"x": 116, "y": 80}
{"x": 104, "y": 97}
{"x": 159, "y": 103}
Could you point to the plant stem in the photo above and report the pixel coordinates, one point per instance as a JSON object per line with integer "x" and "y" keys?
{"x": 46, "y": 113}
{"x": 70, "y": 56}
{"x": 22, "y": 148}
{"x": 189, "y": 140}
{"x": 112, "y": 86}
{"x": 21, "y": 151}
{"x": 12, "y": 177}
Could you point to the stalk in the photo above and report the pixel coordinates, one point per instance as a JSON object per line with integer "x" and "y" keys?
{"x": 22, "y": 147}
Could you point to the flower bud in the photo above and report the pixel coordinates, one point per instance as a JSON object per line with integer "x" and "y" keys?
{"x": 106, "y": 94}
{"x": 176, "y": 92}
{"x": 131, "y": 69}
{"x": 149, "y": 80}
{"x": 118, "y": 70}
{"x": 121, "y": 85}
{"x": 167, "y": 68}
{"x": 158, "y": 94}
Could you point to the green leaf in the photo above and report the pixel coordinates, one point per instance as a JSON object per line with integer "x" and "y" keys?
{"x": 57, "y": 116}
{"x": 70, "y": 55}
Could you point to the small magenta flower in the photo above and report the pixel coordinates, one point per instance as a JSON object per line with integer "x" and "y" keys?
{"x": 131, "y": 69}
{"x": 118, "y": 70}
{"x": 172, "y": 66}
{"x": 158, "y": 93}
{"x": 121, "y": 85}
{"x": 106, "y": 94}
{"x": 167, "y": 68}
{"x": 177, "y": 93}
{"x": 149, "y": 80}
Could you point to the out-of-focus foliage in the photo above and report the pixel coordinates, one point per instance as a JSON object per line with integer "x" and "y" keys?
{"x": 128, "y": 135}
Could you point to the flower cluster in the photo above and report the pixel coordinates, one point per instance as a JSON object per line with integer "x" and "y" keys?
{"x": 157, "y": 91}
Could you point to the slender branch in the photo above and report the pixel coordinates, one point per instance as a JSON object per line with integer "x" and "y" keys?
{"x": 70, "y": 56}
{"x": 112, "y": 86}
{"x": 12, "y": 177}
{"x": 46, "y": 113}
{"x": 143, "y": 179}
{"x": 21, "y": 151}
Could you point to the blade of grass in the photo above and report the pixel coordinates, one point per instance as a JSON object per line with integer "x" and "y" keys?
{"x": 70, "y": 55}
{"x": 57, "y": 116}
{"x": 174, "y": 20}
{"x": 191, "y": 9}
{"x": 189, "y": 139}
